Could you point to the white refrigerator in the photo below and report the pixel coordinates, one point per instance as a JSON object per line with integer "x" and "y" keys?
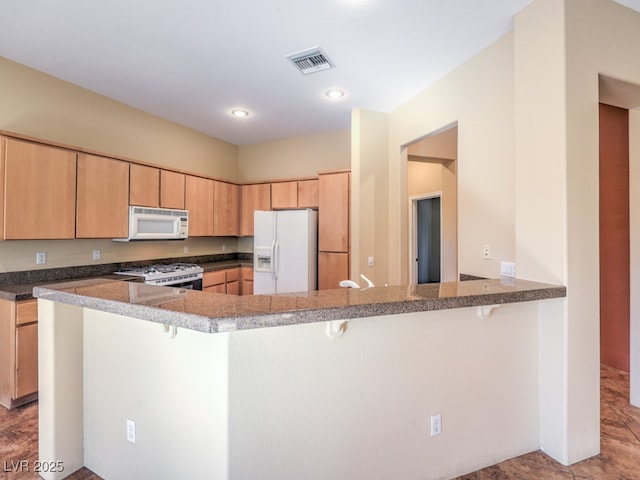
{"x": 285, "y": 252}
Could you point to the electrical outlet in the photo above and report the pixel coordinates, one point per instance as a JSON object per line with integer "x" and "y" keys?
{"x": 96, "y": 254}
{"x": 486, "y": 252}
{"x": 41, "y": 258}
{"x": 436, "y": 425}
{"x": 507, "y": 269}
{"x": 185, "y": 249}
{"x": 131, "y": 431}
{"x": 370, "y": 261}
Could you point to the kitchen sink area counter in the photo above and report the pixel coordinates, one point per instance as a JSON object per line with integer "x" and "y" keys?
{"x": 213, "y": 313}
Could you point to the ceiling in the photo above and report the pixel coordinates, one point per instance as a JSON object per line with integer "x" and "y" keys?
{"x": 193, "y": 61}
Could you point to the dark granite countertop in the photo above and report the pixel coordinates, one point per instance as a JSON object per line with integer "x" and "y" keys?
{"x": 212, "y": 312}
{"x": 16, "y": 286}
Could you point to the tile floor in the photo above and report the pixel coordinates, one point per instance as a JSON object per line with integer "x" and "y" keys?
{"x": 620, "y": 444}
{"x": 619, "y": 459}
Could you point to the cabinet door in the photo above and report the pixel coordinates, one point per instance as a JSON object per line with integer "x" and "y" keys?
{"x": 247, "y": 287}
{"x": 26, "y": 360}
{"x": 233, "y": 288}
{"x": 199, "y": 203}
{"x": 144, "y": 189}
{"x": 308, "y": 194}
{"x": 284, "y": 195}
{"x": 332, "y": 268}
{"x": 226, "y": 198}
{"x": 254, "y": 197}
{"x": 103, "y": 197}
{"x": 3, "y": 144}
{"x": 40, "y": 184}
{"x": 333, "y": 212}
{"x": 171, "y": 189}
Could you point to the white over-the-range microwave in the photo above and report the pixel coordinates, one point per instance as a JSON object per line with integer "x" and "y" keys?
{"x": 146, "y": 223}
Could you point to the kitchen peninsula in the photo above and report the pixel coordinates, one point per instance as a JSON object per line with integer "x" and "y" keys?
{"x": 279, "y": 386}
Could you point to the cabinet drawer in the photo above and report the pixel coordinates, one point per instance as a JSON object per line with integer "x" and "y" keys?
{"x": 213, "y": 278}
{"x": 232, "y": 275}
{"x": 220, "y": 288}
{"x": 26, "y": 312}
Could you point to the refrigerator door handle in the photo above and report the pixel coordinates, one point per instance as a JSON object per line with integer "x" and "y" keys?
{"x": 273, "y": 259}
{"x": 276, "y": 259}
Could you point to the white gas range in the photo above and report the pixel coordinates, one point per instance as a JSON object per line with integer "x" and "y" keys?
{"x": 184, "y": 275}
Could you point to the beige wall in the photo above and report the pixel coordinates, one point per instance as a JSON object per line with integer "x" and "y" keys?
{"x": 561, "y": 48}
{"x": 526, "y": 109}
{"x": 423, "y": 177}
{"x": 369, "y": 196}
{"x": 45, "y": 107}
{"x": 296, "y": 157}
{"x": 478, "y": 97}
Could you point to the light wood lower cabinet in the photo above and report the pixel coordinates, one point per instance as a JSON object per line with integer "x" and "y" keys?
{"x": 246, "y": 281}
{"x": 214, "y": 282}
{"x": 18, "y": 352}
{"x": 332, "y": 268}
{"x": 231, "y": 281}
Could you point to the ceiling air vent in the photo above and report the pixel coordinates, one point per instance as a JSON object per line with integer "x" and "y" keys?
{"x": 311, "y": 60}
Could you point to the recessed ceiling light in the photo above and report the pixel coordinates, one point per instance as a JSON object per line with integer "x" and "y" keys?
{"x": 239, "y": 113}
{"x": 334, "y": 93}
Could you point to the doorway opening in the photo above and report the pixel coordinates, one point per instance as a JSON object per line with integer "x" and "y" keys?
{"x": 426, "y": 236}
{"x": 432, "y": 194}
{"x": 619, "y": 200}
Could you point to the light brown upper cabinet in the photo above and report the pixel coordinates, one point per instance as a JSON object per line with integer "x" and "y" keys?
{"x": 333, "y": 212}
{"x": 253, "y": 197}
{"x": 199, "y": 203}
{"x": 171, "y": 189}
{"x": 103, "y": 197}
{"x": 39, "y": 191}
{"x": 226, "y": 198}
{"x": 3, "y": 146}
{"x": 144, "y": 188}
{"x": 308, "y": 193}
{"x": 284, "y": 195}
{"x": 294, "y": 194}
